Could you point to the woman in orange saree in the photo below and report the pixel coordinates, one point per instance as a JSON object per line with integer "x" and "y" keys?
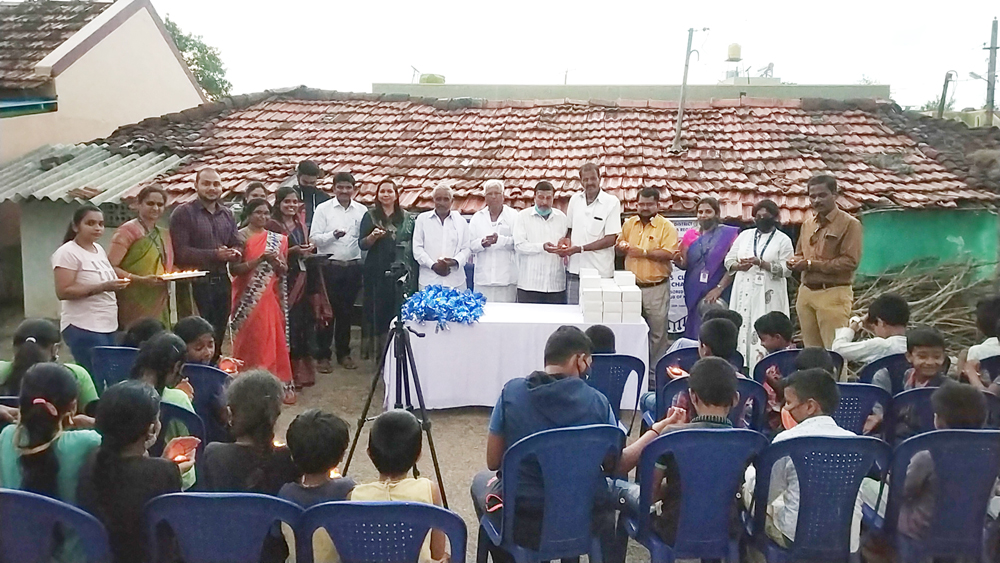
{"x": 259, "y": 323}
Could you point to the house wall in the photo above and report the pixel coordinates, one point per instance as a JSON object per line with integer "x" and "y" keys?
{"x": 43, "y": 225}
{"x": 128, "y": 76}
{"x": 945, "y": 234}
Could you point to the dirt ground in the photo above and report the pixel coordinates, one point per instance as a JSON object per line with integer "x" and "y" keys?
{"x": 459, "y": 434}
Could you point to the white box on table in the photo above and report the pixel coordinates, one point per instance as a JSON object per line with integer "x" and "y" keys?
{"x": 632, "y": 294}
{"x": 593, "y": 317}
{"x": 613, "y": 306}
{"x": 632, "y": 318}
{"x": 591, "y": 294}
{"x": 592, "y": 306}
{"x": 590, "y": 282}
{"x": 611, "y": 318}
{"x": 612, "y": 294}
{"x": 624, "y": 277}
{"x": 589, "y": 272}
{"x": 633, "y": 307}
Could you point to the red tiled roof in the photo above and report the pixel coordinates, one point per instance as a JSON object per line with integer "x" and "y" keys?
{"x": 740, "y": 151}
{"x": 31, "y": 30}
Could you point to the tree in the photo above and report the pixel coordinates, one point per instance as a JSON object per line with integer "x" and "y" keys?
{"x": 933, "y": 104}
{"x": 204, "y": 61}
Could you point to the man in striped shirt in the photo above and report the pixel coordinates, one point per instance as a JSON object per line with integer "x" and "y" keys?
{"x": 537, "y": 232}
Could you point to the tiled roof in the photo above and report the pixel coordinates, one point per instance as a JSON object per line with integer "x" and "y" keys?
{"x": 738, "y": 150}
{"x": 31, "y": 30}
{"x": 86, "y": 172}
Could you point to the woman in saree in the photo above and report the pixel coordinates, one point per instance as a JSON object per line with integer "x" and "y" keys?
{"x": 260, "y": 306}
{"x": 141, "y": 251}
{"x": 704, "y": 262}
{"x": 386, "y": 233}
{"x": 759, "y": 274}
{"x": 286, "y": 219}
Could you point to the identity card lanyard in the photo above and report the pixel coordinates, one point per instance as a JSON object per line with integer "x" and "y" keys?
{"x": 758, "y": 278}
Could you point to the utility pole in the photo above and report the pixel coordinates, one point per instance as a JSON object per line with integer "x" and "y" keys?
{"x": 991, "y": 77}
{"x": 680, "y": 110}
{"x": 944, "y": 93}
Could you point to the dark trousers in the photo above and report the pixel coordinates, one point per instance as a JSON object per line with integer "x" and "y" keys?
{"x": 342, "y": 285}
{"x": 213, "y": 295}
{"x": 300, "y": 329}
{"x": 525, "y": 296}
{"x": 82, "y": 342}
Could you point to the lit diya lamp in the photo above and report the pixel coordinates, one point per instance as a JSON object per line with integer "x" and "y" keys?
{"x": 334, "y": 473}
{"x": 675, "y": 372}
{"x": 230, "y": 365}
{"x": 180, "y": 458}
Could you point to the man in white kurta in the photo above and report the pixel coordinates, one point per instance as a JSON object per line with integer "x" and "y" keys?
{"x": 757, "y": 265}
{"x": 541, "y": 275}
{"x": 491, "y": 238}
{"x": 595, "y": 221}
{"x": 441, "y": 243}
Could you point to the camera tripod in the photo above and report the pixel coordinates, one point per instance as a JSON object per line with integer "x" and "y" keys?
{"x": 398, "y": 339}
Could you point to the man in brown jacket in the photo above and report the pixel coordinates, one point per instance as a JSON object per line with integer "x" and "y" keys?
{"x": 828, "y": 253}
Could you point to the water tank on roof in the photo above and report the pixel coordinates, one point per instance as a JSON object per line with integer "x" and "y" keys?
{"x": 432, "y": 79}
{"x": 734, "y": 53}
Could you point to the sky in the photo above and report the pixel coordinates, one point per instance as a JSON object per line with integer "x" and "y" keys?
{"x": 349, "y": 45}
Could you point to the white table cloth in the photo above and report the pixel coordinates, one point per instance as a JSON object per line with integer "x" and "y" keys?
{"x": 468, "y": 365}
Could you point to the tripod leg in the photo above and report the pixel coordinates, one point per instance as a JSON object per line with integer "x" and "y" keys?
{"x": 425, "y": 421}
{"x": 368, "y": 401}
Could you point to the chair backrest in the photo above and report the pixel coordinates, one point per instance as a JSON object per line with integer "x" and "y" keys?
{"x": 112, "y": 364}
{"x": 193, "y": 422}
{"x": 387, "y": 532}
{"x": 218, "y": 527}
{"x": 965, "y": 463}
{"x": 895, "y": 364}
{"x": 610, "y": 372}
{"x": 739, "y": 362}
{"x": 711, "y": 464}
{"x": 752, "y": 394}
{"x": 27, "y": 521}
{"x": 830, "y": 470}
{"x": 911, "y": 413}
{"x": 838, "y": 362}
{"x": 209, "y": 387}
{"x": 11, "y": 401}
{"x": 990, "y": 366}
{"x": 784, "y": 360}
{"x": 571, "y": 462}
{"x": 857, "y": 402}
{"x": 992, "y": 410}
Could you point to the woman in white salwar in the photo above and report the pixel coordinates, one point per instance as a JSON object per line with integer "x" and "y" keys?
{"x": 756, "y": 265}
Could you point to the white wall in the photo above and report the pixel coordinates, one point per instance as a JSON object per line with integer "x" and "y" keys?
{"x": 128, "y": 76}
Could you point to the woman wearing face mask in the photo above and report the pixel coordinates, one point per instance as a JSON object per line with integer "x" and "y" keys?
{"x": 756, "y": 266}
{"x": 141, "y": 251}
{"x": 704, "y": 263}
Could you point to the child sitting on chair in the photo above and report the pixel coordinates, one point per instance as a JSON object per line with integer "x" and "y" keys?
{"x": 317, "y": 441}
{"x": 602, "y": 337}
{"x": 887, "y": 318}
{"x": 394, "y": 447}
{"x": 199, "y": 336}
{"x": 988, "y": 321}
{"x": 774, "y": 330}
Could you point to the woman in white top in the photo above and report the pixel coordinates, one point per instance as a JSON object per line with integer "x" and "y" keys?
{"x": 85, "y": 285}
{"x": 756, "y": 266}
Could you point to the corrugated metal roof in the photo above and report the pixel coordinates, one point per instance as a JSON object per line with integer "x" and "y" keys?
{"x": 90, "y": 172}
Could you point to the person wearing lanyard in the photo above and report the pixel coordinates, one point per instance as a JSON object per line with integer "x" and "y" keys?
{"x": 756, "y": 267}
{"x": 307, "y": 173}
{"x": 335, "y": 231}
{"x": 649, "y": 243}
{"x": 204, "y": 236}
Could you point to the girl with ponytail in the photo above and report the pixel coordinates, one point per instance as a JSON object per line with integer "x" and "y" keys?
{"x": 37, "y": 341}
{"x": 119, "y": 478}
{"x": 40, "y": 453}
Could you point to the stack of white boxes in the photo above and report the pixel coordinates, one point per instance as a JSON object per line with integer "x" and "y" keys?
{"x": 610, "y": 301}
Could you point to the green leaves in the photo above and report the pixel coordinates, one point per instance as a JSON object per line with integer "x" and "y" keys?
{"x": 204, "y": 61}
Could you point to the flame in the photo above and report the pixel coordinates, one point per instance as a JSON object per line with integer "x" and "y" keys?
{"x": 334, "y": 473}
{"x": 180, "y": 458}
{"x": 278, "y": 443}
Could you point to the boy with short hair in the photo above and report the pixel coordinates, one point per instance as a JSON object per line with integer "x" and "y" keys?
{"x": 602, "y": 338}
{"x": 887, "y": 318}
{"x": 774, "y": 330}
{"x": 713, "y": 313}
{"x": 815, "y": 357}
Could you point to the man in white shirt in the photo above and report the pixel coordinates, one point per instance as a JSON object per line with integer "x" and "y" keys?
{"x": 441, "y": 243}
{"x": 335, "y": 229}
{"x": 491, "y": 237}
{"x": 541, "y": 276}
{"x": 810, "y": 396}
{"x": 887, "y": 318}
{"x": 595, "y": 221}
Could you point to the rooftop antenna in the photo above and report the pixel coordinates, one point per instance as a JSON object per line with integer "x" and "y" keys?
{"x": 416, "y": 73}
{"x": 680, "y": 109}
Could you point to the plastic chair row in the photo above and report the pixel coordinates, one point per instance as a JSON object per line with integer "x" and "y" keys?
{"x": 224, "y": 527}
{"x": 111, "y": 364}
{"x": 784, "y": 361}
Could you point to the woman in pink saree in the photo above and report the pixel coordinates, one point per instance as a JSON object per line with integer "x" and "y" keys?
{"x": 259, "y": 322}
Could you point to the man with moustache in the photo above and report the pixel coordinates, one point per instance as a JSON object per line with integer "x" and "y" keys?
{"x": 595, "y": 220}
{"x": 541, "y": 276}
{"x": 441, "y": 243}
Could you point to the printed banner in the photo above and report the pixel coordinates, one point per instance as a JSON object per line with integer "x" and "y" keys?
{"x": 677, "y": 317}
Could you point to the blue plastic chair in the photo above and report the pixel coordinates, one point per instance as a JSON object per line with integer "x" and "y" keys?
{"x": 11, "y": 401}
{"x": 112, "y": 364}
{"x": 218, "y": 527}
{"x": 193, "y": 422}
{"x": 911, "y": 413}
{"x": 990, "y": 366}
{"x": 27, "y": 521}
{"x": 610, "y": 372}
{"x": 209, "y": 385}
{"x": 896, "y": 365}
{"x": 992, "y": 410}
{"x": 750, "y": 391}
{"x": 387, "y": 532}
{"x": 784, "y": 360}
{"x": 838, "y": 362}
{"x": 830, "y": 470}
{"x": 857, "y": 402}
{"x": 711, "y": 463}
{"x": 571, "y": 462}
{"x": 966, "y": 463}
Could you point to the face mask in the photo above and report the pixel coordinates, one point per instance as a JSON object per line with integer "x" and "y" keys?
{"x": 765, "y": 224}
{"x": 543, "y": 212}
{"x": 585, "y": 372}
{"x": 786, "y": 419}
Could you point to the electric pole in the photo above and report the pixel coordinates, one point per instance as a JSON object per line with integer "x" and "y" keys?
{"x": 680, "y": 109}
{"x": 944, "y": 93}
{"x": 991, "y": 77}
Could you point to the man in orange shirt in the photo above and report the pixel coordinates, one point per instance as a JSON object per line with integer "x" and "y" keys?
{"x": 649, "y": 243}
{"x": 828, "y": 253}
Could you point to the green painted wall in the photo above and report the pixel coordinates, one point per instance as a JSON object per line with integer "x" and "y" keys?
{"x": 896, "y": 237}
